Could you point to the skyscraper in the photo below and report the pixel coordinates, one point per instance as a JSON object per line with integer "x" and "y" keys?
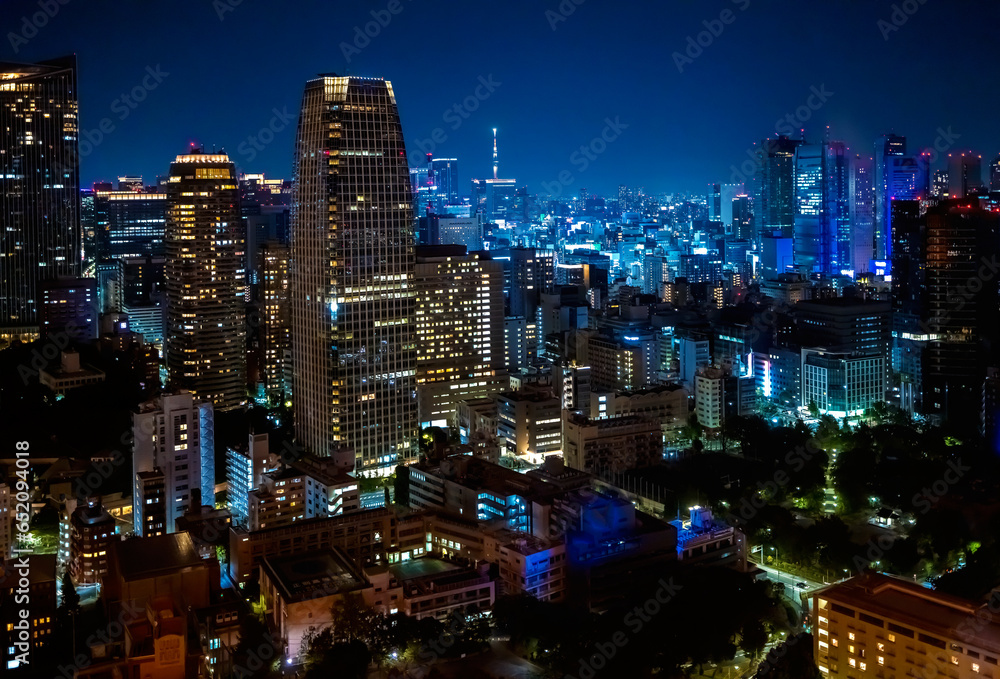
{"x": 352, "y": 297}
{"x": 861, "y": 192}
{"x": 774, "y": 188}
{"x": 961, "y": 294}
{"x": 205, "y": 334}
{"x": 460, "y": 330}
{"x": 41, "y": 236}
{"x": 445, "y": 176}
{"x": 822, "y": 208}
{"x": 274, "y": 317}
{"x": 886, "y": 146}
{"x": 965, "y": 174}
{"x": 904, "y": 178}
{"x": 741, "y": 208}
{"x": 995, "y": 174}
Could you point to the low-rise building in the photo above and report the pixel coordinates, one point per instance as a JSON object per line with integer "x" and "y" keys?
{"x": 613, "y": 445}
{"x": 528, "y": 424}
{"x": 881, "y": 626}
{"x": 705, "y": 540}
{"x": 299, "y": 591}
{"x": 70, "y": 374}
{"x": 92, "y": 530}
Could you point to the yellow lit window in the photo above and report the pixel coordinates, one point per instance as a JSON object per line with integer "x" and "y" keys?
{"x": 850, "y": 635}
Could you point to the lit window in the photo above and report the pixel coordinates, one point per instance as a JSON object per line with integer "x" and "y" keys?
{"x": 975, "y": 667}
{"x": 850, "y": 635}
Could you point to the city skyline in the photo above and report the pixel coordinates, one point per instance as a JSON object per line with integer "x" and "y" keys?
{"x": 641, "y": 76}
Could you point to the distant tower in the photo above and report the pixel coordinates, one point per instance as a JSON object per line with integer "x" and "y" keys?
{"x": 496, "y": 163}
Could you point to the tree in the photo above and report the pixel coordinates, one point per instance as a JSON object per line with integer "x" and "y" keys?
{"x": 353, "y": 620}
{"x": 255, "y": 652}
{"x": 345, "y": 659}
{"x": 70, "y": 598}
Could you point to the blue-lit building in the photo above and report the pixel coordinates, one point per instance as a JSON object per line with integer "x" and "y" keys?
{"x": 823, "y": 238}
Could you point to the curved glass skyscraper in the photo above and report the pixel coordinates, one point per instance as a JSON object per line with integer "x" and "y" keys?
{"x": 352, "y": 260}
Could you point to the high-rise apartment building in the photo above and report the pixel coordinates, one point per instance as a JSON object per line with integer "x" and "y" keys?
{"x": 352, "y": 297}
{"x": 41, "y": 236}
{"x": 275, "y": 317}
{"x": 205, "y": 334}
{"x": 173, "y": 454}
{"x": 962, "y": 241}
{"x": 460, "y": 330}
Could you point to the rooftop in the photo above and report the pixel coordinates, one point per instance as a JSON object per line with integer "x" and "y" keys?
{"x": 152, "y": 556}
{"x": 913, "y": 605}
{"x": 312, "y": 575}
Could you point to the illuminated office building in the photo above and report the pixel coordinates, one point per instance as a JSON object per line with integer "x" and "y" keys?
{"x": 134, "y": 223}
{"x": 352, "y": 296}
{"x": 822, "y": 208}
{"x": 39, "y": 187}
{"x": 275, "y": 320}
{"x": 886, "y": 146}
{"x": 774, "y": 187}
{"x": 205, "y": 334}
{"x": 460, "y": 330}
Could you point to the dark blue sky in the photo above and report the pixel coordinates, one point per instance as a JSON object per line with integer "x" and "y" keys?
{"x": 606, "y": 60}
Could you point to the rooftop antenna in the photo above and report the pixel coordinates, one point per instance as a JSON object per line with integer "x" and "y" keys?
{"x": 495, "y": 162}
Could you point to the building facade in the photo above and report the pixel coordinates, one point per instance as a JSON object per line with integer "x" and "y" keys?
{"x": 205, "y": 280}
{"x": 352, "y": 296}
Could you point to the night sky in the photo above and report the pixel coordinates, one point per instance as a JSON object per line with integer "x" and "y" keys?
{"x": 553, "y": 89}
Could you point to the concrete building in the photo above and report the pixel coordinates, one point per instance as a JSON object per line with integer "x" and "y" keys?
{"x": 613, "y": 445}
{"x": 92, "y": 530}
{"x": 162, "y": 565}
{"x": 882, "y": 626}
{"x": 460, "y": 330}
{"x": 69, "y": 306}
{"x": 173, "y": 452}
{"x": 528, "y": 424}
{"x": 702, "y": 539}
{"x": 70, "y": 374}
{"x": 275, "y": 319}
{"x": 40, "y": 572}
{"x": 245, "y": 469}
{"x": 431, "y": 588}
{"x": 709, "y": 399}
{"x": 310, "y": 487}
{"x": 300, "y": 590}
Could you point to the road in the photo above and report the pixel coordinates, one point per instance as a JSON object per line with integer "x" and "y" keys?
{"x": 789, "y": 580}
